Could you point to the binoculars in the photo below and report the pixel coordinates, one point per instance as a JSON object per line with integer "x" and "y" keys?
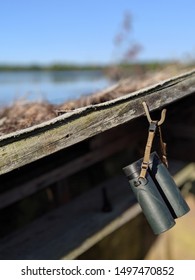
{"x": 159, "y": 197}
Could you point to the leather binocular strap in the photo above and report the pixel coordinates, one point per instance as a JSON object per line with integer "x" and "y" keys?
{"x": 163, "y": 148}
{"x": 146, "y": 159}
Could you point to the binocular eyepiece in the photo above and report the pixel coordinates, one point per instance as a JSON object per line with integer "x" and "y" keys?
{"x": 157, "y": 194}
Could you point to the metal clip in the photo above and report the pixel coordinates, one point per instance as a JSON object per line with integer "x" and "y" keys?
{"x": 163, "y": 115}
{"x": 153, "y": 126}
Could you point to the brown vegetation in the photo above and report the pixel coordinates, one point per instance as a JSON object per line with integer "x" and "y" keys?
{"x": 23, "y": 114}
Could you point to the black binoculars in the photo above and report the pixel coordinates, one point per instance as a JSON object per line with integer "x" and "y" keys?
{"x": 157, "y": 194}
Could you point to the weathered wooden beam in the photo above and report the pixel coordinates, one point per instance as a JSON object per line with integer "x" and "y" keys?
{"x": 59, "y": 232}
{"x": 58, "y": 173}
{"x": 25, "y": 146}
{"x": 181, "y": 131}
{"x": 121, "y": 220}
{"x": 186, "y": 174}
{"x": 70, "y": 230}
{"x": 182, "y": 150}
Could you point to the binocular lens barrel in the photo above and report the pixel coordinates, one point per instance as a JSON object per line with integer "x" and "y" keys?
{"x": 167, "y": 187}
{"x": 157, "y": 194}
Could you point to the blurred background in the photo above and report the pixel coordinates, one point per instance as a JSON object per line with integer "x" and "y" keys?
{"x": 61, "y": 50}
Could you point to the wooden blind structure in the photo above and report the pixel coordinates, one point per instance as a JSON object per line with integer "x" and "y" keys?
{"x": 57, "y": 234}
{"x": 20, "y": 148}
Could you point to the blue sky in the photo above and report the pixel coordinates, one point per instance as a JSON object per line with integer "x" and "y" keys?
{"x": 82, "y": 31}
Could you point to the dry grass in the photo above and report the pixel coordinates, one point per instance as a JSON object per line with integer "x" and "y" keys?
{"x": 23, "y": 114}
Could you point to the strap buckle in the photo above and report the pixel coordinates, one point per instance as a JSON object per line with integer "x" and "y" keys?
{"x": 153, "y": 126}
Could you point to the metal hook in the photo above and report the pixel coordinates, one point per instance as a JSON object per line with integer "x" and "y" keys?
{"x": 163, "y": 114}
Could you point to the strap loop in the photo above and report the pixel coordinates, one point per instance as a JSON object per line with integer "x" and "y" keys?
{"x": 145, "y": 163}
{"x": 163, "y": 148}
{"x": 152, "y": 130}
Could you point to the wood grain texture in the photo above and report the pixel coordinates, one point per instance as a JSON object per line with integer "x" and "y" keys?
{"x": 62, "y": 231}
{"x": 25, "y": 146}
{"x": 70, "y": 230}
{"x": 42, "y": 181}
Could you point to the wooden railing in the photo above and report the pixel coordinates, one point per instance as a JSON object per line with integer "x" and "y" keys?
{"x": 33, "y": 159}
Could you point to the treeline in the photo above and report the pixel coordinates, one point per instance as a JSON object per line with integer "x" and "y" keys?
{"x": 145, "y": 66}
{"x": 53, "y": 67}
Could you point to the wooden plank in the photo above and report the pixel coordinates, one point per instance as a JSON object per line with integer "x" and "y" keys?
{"x": 70, "y": 230}
{"x": 28, "y": 145}
{"x": 63, "y": 230}
{"x": 44, "y": 180}
{"x": 186, "y": 174}
{"x": 124, "y": 218}
{"x": 181, "y": 131}
{"x": 182, "y": 150}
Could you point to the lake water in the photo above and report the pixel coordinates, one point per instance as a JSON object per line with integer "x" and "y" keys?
{"x": 53, "y": 86}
